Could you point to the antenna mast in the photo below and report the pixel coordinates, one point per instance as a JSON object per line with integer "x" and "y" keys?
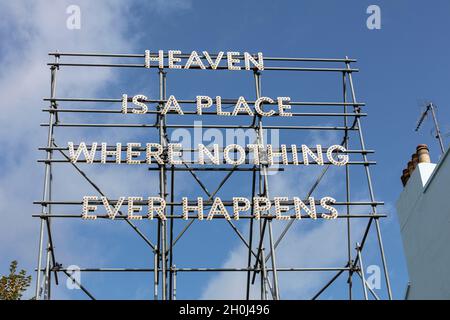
{"x": 431, "y": 107}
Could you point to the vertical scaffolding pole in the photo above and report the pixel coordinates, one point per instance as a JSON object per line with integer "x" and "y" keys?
{"x": 363, "y": 277}
{"x": 172, "y": 220}
{"x": 369, "y": 182}
{"x": 262, "y": 225}
{"x": 250, "y": 243}
{"x": 174, "y": 282}
{"x": 45, "y": 209}
{"x": 265, "y": 192}
{"x": 47, "y": 278}
{"x": 155, "y": 273}
{"x": 163, "y": 185}
{"x": 347, "y": 189}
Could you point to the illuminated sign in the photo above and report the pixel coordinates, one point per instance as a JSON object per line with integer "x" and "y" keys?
{"x": 136, "y": 153}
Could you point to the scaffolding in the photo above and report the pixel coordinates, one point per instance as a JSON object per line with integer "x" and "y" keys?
{"x": 260, "y": 240}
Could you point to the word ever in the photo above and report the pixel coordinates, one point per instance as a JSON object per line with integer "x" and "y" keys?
{"x": 233, "y": 154}
{"x": 205, "y": 102}
{"x": 206, "y": 61}
{"x": 240, "y": 204}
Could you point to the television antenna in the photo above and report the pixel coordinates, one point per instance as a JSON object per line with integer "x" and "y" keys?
{"x": 431, "y": 108}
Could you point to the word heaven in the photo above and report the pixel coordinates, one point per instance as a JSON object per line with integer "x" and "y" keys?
{"x": 204, "y": 61}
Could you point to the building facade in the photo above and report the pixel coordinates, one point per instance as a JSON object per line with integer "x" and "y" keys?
{"x": 424, "y": 217}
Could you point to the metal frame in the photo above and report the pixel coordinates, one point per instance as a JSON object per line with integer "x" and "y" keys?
{"x": 261, "y": 260}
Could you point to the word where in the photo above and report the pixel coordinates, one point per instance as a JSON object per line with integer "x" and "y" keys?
{"x": 233, "y": 154}
{"x": 205, "y": 102}
{"x": 157, "y": 205}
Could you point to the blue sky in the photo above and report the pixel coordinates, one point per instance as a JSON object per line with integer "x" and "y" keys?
{"x": 401, "y": 65}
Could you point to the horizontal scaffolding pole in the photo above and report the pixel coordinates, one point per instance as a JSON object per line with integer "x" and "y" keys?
{"x": 141, "y": 65}
{"x": 196, "y": 269}
{"x": 193, "y": 150}
{"x": 226, "y": 203}
{"x": 209, "y": 168}
{"x": 187, "y": 55}
{"x": 143, "y": 125}
{"x": 271, "y": 217}
{"x": 207, "y": 113}
{"x": 364, "y": 163}
{"x": 190, "y": 101}
{"x": 217, "y": 169}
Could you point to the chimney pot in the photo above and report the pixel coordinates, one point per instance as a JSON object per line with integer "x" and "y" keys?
{"x": 415, "y": 159}
{"x": 410, "y": 167}
{"x": 405, "y": 176}
{"x": 423, "y": 153}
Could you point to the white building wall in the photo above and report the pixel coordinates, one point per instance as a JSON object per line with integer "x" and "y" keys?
{"x": 424, "y": 215}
